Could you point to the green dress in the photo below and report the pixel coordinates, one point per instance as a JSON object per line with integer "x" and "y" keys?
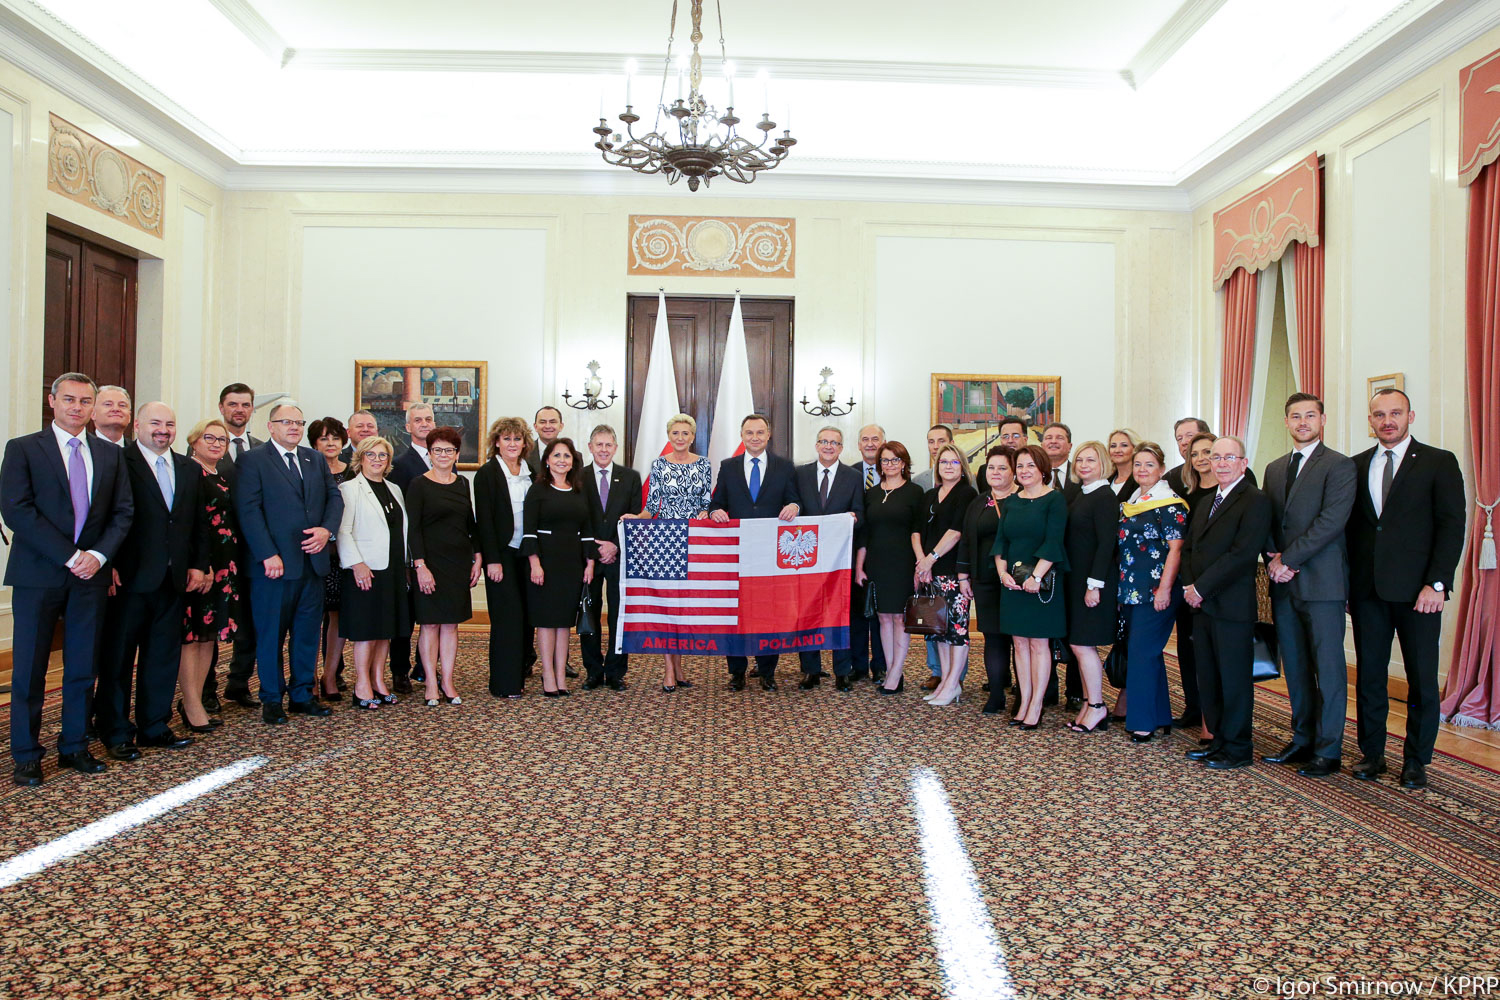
{"x": 1031, "y": 530}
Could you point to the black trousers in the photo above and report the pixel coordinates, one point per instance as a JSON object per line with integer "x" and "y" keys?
{"x": 142, "y": 649}
{"x": 997, "y": 659}
{"x": 1310, "y": 635}
{"x": 1074, "y": 687}
{"x": 401, "y": 659}
{"x": 1187, "y": 665}
{"x": 866, "y": 654}
{"x": 242, "y": 665}
{"x": 765, "y": 664}
{"x": 1225, "y": 656}
{"x": 35, "y": 612}
{"x": 1376, "y": 622}
{"x": 597, "y": 658}
{"x": 507, "y": 604}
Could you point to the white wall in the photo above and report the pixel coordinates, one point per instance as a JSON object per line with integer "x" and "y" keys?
{"x": 994, "y": 306}
{"x": 1390, "y": 255}
{"x": 192, "y": 298}
{"x": 442, "y": 294}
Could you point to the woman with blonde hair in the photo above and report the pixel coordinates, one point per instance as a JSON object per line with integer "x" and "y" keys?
{"x": 500, "y": 489}
{"x": 1092, "y": 541}
{"x": 372, "y": 549}
{"x": 1120, "y": 470}
{"x": 679, "y": 486}
{"x": 210, "y": 616}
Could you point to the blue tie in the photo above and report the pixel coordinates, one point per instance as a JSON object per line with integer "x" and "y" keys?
{"x": 164, "y": 480}
{"x": 754, "y": 480}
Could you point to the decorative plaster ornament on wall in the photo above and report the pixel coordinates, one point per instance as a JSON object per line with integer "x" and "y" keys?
{"x": 724, "y": 245}
{"x": 94, "y": 173}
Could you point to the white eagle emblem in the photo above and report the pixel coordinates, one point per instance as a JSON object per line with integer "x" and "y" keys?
{"x": 796, "y": 547}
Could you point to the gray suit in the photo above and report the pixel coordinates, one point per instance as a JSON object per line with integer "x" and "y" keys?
{"x": 1307, "y": 528}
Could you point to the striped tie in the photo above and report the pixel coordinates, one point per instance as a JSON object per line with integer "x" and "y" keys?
{"x": 870, "y": 477}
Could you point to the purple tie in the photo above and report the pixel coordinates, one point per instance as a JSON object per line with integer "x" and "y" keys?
{"x": 78, "y": 486}
{"x": 603, "y": 488}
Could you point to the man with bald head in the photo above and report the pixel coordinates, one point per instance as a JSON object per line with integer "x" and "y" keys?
{"x": 164, "y": 555}
{"x": 112, "y": 415}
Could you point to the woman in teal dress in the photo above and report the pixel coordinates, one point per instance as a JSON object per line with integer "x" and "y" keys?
{"x": 1032, "y": 529}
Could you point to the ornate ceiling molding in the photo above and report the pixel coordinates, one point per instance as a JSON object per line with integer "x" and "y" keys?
{"x": 712, "y": 246}
{"x": 1478, "y": 116}
{"x": 1255, "y": 231}
{"x": 1181, "y": 26}
{"x": 84, "y": 169}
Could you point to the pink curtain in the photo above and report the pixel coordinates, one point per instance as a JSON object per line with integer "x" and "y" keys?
{"x": 1239, "y": 351}
{"x": 1309, "y": 279}
{"x": 1472, "y": 693}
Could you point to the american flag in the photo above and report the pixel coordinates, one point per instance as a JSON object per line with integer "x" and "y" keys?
{"x": 681, "y": 576}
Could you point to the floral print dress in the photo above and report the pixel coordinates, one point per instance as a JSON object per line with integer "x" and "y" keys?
{"x": 679, "y": 491}
{"x": 1143, "y": 541}
{"x": 213, "y": 617}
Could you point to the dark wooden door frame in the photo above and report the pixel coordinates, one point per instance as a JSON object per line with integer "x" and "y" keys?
{"x": 92, "y": 297}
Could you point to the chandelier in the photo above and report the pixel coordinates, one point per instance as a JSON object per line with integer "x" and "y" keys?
{"x": 701, "y": 144}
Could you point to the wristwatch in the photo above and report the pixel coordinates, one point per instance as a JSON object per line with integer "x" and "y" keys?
{"x": 1439, "y": 587}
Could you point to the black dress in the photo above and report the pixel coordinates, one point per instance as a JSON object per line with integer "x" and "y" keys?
{"x": 981, "y": 521}
{"x": 943, "y": 516}
{"x": 891, "y": 518}
{"x": 559, "y": 530}
{"x": 1093, "y": 544}
{"x": 214, "y": 616}
{"x": 443, "y": 534}
{"x": 382, "y": 612}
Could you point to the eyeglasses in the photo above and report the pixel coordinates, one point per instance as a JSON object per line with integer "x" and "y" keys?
{"x": 214, "y": 439}
{"x": 824, "y": 442}
{"x": 890, "y": 461}
{"x": 377, "y": 456}
{"x": 950, "y": 461}
{"x": 442, "y": 451}
{"x": 1225, "y": 459}
{"x": 291, "y": 423}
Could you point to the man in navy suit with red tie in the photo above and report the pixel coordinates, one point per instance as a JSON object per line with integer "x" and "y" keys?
{"x": 66, "y": 496}
{"x": 754, "y": 483}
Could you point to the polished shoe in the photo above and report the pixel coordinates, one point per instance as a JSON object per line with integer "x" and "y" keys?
{"x": 737, "y": 682}
{"x": 931, "y": 683}
{"x": 82, "y": 761}
{"x": 123, "y": 751}
{"x": 1075, "y": 704}
{"x": 569, "y": 671}
{"x": 768, "y": 682}
{"x": 365, "y": 703}
{"x": 1413, "y": 774}
{"x": 843, "y": 684}
{"x": 985, "y": 686}
{"x": 682, "y": 683}
{"x": 615, "y": 684}
{"x": 211, "y": 704}
{"x": 810, "y": 681}
{"x": 1320, "y": 767}
{"x": 1187, "y": 721}
{"x": 241, "y": 698}
{"x": 1290, "y": 754}
{"x": 272, "y": 714}
{"x": 877, "y": 676}
{"x": 594, "y": 681}
{"x": 419, "y": 676}
{"x": 993, "y": 707}
{"x": 167, "y": 740}
{"x": 900, "y": 686}
{"x": 755, "y": 671}
{"x": 401, "y": 685}
{"x": 667, "y": 688}
{"x": 1368, "y": 770}
{"x": 27, "y": 773}
{"x": 1227, "y": 763}
{"x": 1203, "y": 753}
{"x": 182, "y": 713}
{"x": 1204, "y": 741}
{"x": 308, "y": 708}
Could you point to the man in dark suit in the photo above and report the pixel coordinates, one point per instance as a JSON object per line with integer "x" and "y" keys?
{"x": 1183, "y": 433}
{"x": 1405, "y": 537}
{"x": 112, "y": 415}
{"x": 66, "y": 496}
{"x": 1312, "y": 492}
{"x": 827, "y": 486}
{"x": 165, "y": 555}
{"x": 289, "y": 508}
{"x": 236, "y": 406}
{"x": 413, "y": 462}
{"x": 548, "y": 424}
{"x": 866, "y": 653}
{"x": 1057, "y": 442}
{"x": 754, "y": 483}
{"x": 361, "y": 425}
{"x": 1219, "y": 557}
{"x": 612, "y": 491}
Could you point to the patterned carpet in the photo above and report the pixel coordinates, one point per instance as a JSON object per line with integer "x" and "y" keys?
{"x": 711, "y": 844}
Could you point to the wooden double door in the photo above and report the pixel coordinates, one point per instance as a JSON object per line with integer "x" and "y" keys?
{"x": 699, "y": 329}
{"x": 89, "y": 315}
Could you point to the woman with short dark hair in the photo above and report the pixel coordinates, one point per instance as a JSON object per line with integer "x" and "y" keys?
{"x": 977, "y": 573}
{"x": 500, "y": 489}
{"x": 558, "y": 541}
{"x": 889, "y": 547}
{"x": 328, "y": 436}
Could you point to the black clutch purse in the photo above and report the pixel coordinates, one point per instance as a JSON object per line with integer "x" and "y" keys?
{"x": 871, "y": 608}
{"x": 586, "y": 624}
{"x": 1021, "y": 570}
{"x": 1117, "y": 661}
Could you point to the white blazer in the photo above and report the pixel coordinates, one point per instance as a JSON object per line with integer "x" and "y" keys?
{"x": 364, "y": 536}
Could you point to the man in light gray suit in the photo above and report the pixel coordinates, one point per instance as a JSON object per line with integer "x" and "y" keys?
{"x": 1312, "y": 494}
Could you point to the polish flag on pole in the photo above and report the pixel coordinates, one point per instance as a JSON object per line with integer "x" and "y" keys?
{"x": 659, "y": 400}
{"x": 735, "y": 400}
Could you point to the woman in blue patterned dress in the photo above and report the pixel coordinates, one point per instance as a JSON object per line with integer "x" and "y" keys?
{"x": 1151, "y": 533}
{"x": 680, "y": 485}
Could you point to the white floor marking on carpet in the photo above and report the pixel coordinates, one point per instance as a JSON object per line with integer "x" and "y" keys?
{"x": 29, "y": 863}
{"x": 973, "y": 964}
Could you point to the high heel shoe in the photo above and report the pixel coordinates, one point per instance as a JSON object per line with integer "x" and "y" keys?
{"x": 665, "y": 689}
{"x": 900, "y": 686}
{"x": 197, "y": 729}
{"x": 385, "y": 697}
{"x": 455, "y": 700}
{"x": 1028, "y": 726}
{"x": 549, "y": 694}
{"x": 952, "y": 699}
{"x": 1142, "y": 737}
{"x": 1103, "y": 723}
{"x": 366, "y": 703}
{"x": 682, "y": 683}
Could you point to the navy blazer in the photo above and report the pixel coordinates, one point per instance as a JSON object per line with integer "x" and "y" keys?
{"x": 846, "y": 492}
{"x": 36, "y": 503}
{"x": 406, "y": 468}
{"x": 778, "y": 487}
{"x": 1418, "y": 538}
{"x": 163, "y": 541}
{"x": 276, "y": 507}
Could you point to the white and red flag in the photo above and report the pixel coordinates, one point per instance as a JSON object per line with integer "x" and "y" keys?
{"x": 735, "y": 400}
{"x": 658, "y": 399}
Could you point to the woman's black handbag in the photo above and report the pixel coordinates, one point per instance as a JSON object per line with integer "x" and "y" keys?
{"x": 1116, "y": 663}
{"x": 586, "y": 623}
{"x": 1021, "y": 570}
{"x": 871, "y": 607}
{"x": 926, "y": 612}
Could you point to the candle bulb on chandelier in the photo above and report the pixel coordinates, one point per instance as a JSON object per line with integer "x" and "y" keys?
{"x": 765, "y": 90}
{"x": 630, "y": 68}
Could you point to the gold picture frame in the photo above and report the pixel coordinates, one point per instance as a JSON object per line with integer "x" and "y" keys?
{"x": 973, "y": 406}
{"x": 1376, "y": 383}
{"x": 456, "y": 390}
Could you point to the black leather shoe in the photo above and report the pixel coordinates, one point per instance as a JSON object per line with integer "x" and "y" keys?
{"x": 28, "y": 773}
{"x": 419, "y": 676}
{"x": 308, "y": 708}
{"x": 401, "y": 685}
{"x": 754, "y": 671}
{"x": 615, "y": 684}
{"x": 843, "y": 684}
{"x": 737, "y": 682}
{"x": 1075, "y": 704}
{"x": 1227, "y": 763}
{"x": 273, "y": 714}
{"x": 1320, "y": 767}
{"x": 569, "y": 671}
{"x": 809, "y": 681}
{"x": 768, "y": 682}
{"x": 1290, "y": 754}
{"x": 212, "y": 705}
{"x": 878, "y": 676}
{"x": 240, "y": 698}
{"x": 83, "y": 762}
{"x": 1200, "y": 754}
{"x": 594, "y": 681}
{"x": 1413, "y": 775}
{"x": 123, "y": 751}
{"x": 1187, "y": 721}
{"x": 168, "y": 740}
{"x": 1368, "y": 770}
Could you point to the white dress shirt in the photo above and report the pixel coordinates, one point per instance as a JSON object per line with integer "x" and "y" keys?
{"x": 63, "y": 437}
{"x": 244, "y": 439}
{"x": 748, "y": 467}
{"x": 1224, "y": 491}
{"x": 1377, "y": 470}
{"x": 118, "y": 444}
{"x": 518, "y": 485}
{"x": 150, "y": 458}
{"x": 1058, "y": 475}
{"x": 282, "y": 453}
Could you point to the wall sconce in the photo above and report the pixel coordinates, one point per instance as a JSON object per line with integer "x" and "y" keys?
{"x": 593, "y": 386}
{"x": 826, "y": 407}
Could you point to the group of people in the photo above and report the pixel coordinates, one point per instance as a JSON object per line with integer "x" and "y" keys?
{"x": 287, "y": 550}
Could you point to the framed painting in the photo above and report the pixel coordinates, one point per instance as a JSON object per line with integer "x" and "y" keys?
{"x": 454, "y": 389}
{"x": 974, "y": 405}
{"x": 1375, "y": 383}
